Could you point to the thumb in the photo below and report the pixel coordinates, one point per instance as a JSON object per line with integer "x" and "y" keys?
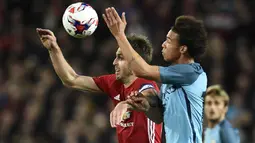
{"x": 123, "y": 18}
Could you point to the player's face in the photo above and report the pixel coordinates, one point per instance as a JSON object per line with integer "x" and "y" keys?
{"x": 122, "y": 69}
{"x": 215, "y": 108}
{"x": 171, "y": 49}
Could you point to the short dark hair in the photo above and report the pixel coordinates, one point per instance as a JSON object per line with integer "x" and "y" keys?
{"x": 191, "y": 33}
{"x": 142, "y": 46}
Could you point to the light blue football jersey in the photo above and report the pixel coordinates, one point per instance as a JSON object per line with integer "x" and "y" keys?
{"x": 222, "y": 133}
{"x": 182, "y": 90}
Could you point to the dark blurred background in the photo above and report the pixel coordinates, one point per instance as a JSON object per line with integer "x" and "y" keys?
{"x": 36, "y": 107}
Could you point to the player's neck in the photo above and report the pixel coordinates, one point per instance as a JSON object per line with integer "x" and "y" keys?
{"x": 129, "y": 80}
{"x": 213, "y": 123}
{"x": 184, "y": 60}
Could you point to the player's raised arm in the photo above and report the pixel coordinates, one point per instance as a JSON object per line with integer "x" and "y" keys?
{"x": 117, "y": 27}
{"x": 65, "y": 72}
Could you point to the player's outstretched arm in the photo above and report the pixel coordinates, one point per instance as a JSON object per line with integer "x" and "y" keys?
{"x": 65, "y": 72}
{"x": 117, "y": 27}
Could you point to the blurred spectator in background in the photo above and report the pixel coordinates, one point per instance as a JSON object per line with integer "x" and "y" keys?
{"x": 218, "y": 128}
{"x": 35, "y": 107}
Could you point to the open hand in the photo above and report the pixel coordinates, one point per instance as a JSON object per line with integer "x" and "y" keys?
{"x": 113, "y": 21}
{"x": 117, "y": 115}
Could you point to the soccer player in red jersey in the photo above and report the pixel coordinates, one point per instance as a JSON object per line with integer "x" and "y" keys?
{"x": 135, "y": 126}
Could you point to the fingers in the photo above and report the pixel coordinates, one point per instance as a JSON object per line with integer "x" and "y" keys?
{"x": 137, "y": 99}
{"x": 107, "y": 12}
{"x": 112, "y": 17}
{"x": 118, "y": 118}
{"x": 112, "y": 119}
{"x": 136, "y": 93}
{"x": 134, "y": 104}
{"x": 115, "y": 14}
{"x": 45, "y": 37}
{"x": 123, "y": 18}
{"x": 106, "y": 20}
{"x": 133, "y": 93}
{"x": 41, "y": 32}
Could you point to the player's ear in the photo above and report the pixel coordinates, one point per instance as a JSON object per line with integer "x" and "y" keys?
{"x": 183, "y": 49}
{"x": 226, "y": 109}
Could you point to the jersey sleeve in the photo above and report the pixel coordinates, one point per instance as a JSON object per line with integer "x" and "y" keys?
{"x": 146, "y": 86}
{"x": 104, "y": 82}
{"x": 180, "y": 74}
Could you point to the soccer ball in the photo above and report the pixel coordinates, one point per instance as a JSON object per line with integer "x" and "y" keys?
{"x": 80, "y": 20}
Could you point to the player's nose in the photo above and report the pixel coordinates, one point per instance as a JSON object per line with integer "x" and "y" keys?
{"x": 163, "y": 44}
{"x": 114, "y": 62}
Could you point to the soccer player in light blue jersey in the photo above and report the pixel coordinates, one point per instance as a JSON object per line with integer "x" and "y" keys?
{"x": 183, "y": 81}
{"x": 218, "y": 129}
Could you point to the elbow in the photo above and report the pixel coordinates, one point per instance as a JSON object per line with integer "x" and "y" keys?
{"x": 69, "y": 82}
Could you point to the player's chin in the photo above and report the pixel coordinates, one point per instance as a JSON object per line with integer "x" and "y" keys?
{"x": 167, "y": 59}
{"x": 118, "y": 77}
{"x": 164, "y": 57}
{"x": 214, "y": 118}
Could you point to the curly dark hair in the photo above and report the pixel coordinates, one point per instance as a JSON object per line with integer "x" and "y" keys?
{"x": 191, "y": 33}
{"x": 142, "y": 46}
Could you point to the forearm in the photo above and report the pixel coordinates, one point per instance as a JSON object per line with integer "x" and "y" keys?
{"x": 152, "y": 108}
{"x": 155, "y": 114}
{"x": 61, "y": 67}
{"x": 138, "y": 65}
{"x": 155, "y": 111}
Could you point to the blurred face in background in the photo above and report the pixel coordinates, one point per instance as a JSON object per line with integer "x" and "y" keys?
{"x": 170, "y": 47}
{"x": 122, "y": 70}
{"x": 215, "y": 108}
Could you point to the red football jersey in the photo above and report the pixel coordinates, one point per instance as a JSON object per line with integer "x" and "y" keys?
{"x": 136, "y": 127}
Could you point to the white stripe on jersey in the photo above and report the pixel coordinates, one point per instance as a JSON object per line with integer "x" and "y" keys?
{"x": 146, "y": 86}
{"x": 151, "y": 130}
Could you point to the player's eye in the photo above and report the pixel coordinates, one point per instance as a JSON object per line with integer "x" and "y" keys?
{"x": 209, "y": 103}
{"x": 168, "y": 40}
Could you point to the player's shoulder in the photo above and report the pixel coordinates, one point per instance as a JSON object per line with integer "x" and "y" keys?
{"x": 225, "y": 124}
{"x": 110, "y": 76}
{"x": 192, "y": 67}
{"x": 109, "y": 79}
